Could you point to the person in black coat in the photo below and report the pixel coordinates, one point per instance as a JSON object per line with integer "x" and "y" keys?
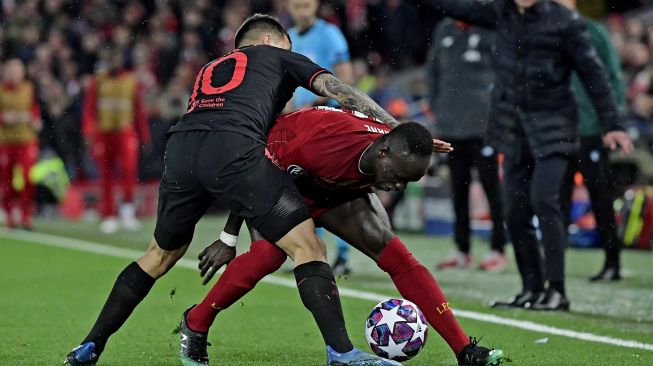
{"x": 538, "y": 45}
{"x": 460, "y": 75}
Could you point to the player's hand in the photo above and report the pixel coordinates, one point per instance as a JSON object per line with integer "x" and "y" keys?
{"x": 440, "y": 146}
{"x": 213, "y": 257}
{"x": 620, "y": 140}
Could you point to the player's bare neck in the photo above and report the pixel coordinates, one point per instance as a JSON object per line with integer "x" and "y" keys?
{"x": 249, "y": 44}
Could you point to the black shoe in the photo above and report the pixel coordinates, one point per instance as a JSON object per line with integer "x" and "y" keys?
{"x": 340, "y": 267}
{"x": 475, "y": 355}
{"x": 608, "y": 273}
{"x": 192, "y": 345}
{"x": 520, "y": 300}
{"x": 551, "y": 300}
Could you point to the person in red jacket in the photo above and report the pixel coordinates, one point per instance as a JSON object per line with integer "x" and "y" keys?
{"x": 114, "y": 122}
{"x": 20, "y": 121}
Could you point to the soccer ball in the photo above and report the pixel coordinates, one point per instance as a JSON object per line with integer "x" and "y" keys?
{"x": 396, "y": 329}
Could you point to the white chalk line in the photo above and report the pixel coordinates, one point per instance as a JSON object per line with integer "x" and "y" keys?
{"x": 108, "y": 250}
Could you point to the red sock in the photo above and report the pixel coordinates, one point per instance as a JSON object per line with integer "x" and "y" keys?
{"x": 415, "y": 283}
{"x": 241, "y": 275}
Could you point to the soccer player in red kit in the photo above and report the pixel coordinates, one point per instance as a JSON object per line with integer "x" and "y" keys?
{"x": 336, "y": 157}
{"x": 114, "y": 122}
{"x": 20, "y": 121}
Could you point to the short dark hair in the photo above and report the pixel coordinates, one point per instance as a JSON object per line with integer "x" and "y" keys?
{"x": 412, "y": 138}
{"x": 259, "y": 23}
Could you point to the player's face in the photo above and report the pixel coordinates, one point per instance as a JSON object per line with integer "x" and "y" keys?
{"x": 393, "y": 172}
{"x": 303, "y": 12}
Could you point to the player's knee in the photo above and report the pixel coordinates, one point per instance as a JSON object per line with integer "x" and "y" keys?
{"x": 302, "y": 244}
{"x": 156, "y": 262}
{"x": 308, "y": 249}
{"x": 543, "y": 204}
{"x": 377, "y": 240}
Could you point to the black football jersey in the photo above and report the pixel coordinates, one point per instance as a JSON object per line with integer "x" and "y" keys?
{"x": 245, "y": 90}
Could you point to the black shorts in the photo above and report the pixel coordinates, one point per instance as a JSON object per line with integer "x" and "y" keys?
{"x": 202, "y": 166}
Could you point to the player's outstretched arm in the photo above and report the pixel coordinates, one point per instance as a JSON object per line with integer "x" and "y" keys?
{"x": 216, "y": 255}
{"x": 349, "y": 97}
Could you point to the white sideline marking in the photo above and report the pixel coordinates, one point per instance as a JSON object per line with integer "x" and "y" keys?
{"x": 91, "y": 247}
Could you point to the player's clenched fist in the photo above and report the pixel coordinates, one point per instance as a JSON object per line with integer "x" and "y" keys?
{"x": 213, "y": 257}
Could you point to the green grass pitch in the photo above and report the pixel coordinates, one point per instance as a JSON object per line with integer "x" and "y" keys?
{"x": 50, "y": 297}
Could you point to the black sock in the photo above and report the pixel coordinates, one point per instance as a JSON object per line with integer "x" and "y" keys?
{"x": 131, "y": 286}
{"x": 319, "y": 293}
{"x": 558, "y": 286}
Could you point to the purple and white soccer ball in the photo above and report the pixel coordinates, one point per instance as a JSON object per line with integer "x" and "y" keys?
{"x": 396, "y": 329}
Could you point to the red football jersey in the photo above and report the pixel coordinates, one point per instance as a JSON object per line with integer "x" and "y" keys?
{"x": 327, "y": 143}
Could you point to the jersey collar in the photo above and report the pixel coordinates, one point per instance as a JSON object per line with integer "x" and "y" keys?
{"x": 361, "y": 158}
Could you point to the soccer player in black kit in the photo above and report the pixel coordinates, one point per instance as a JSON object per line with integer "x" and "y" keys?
{"x": 217, "y": 152}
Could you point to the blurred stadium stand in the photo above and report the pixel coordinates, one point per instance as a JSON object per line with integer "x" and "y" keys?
{"x": 166, "y": 42}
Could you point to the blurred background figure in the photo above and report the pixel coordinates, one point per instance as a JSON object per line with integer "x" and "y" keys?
{"x": 114, "y": 123}
{"x": 592, "y": 158}
{"x": 20, "y": 122}
{"x": 460, "y": 76}
{"x": 535, "y": 120}
{"x": 320, "y": 41}
{"x": 325, "y": 45}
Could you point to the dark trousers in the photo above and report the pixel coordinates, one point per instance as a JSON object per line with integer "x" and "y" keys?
{"x": 468, "y": 153}
{"x": 532, "y": 187}
{"x": 592, "y": 162}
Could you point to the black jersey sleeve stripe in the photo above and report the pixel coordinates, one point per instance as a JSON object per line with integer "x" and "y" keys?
{"x": 318, "y": 72}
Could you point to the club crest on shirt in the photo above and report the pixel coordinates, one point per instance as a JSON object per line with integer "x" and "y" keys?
{"x": 296, "y": 171}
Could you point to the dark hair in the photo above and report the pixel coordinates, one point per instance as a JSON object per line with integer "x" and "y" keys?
{"x": 259, "y": 23}
{"x": 412, "y": 138}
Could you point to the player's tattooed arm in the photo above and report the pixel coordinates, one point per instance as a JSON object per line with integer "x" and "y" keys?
{"x": 349, "y": 97}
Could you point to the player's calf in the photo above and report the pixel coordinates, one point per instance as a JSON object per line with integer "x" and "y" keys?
{"x": 416, "y": 284}
{"x": 240, "y": 276}
{"x": 130, "y": 288}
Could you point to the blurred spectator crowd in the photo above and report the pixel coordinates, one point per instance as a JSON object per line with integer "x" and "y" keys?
{"x": 63, "y": 42}
{"x": 633, "y": 39}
